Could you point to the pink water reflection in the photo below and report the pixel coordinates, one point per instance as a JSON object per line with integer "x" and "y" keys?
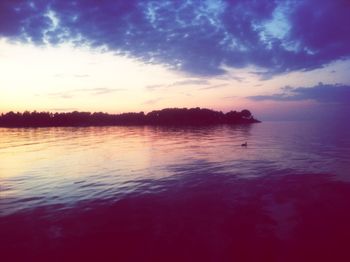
{"x": 175, "y": 194}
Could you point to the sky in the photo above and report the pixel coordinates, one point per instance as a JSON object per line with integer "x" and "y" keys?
{"x": 281, "y": 59}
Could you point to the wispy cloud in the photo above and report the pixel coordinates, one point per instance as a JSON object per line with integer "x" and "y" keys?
{"x": 186, "y": 82}
{"x": 238, "y": 78}
{"x": 229, "y": 97}
{"x": 152, "y": 101}
{"x": 81, "y": 75}
{"x": 213, "y": 86}
{"x": 85, "y": 91}
{"x": 322, "y": 93}
{"x": 190, "y": 82}
{"x": 103, "y": 90}
{"x": 60, "y": 75}
{"x": 153, "y": 87}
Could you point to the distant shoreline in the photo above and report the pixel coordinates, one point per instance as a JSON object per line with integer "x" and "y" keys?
{"x": 165, "y": 117}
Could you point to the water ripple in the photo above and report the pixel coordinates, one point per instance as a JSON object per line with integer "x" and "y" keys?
{"x": 68, "y": 165}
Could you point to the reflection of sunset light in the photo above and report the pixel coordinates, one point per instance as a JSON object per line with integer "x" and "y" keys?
{"x": 110, "y": 155}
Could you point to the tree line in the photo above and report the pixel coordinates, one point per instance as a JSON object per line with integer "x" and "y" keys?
{"x": 167, "y": 116}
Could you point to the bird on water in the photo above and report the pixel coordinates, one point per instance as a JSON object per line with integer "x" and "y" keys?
{"x": 245, "y": 144}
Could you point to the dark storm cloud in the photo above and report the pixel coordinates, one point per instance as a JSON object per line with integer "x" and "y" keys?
{"x": 335, "y": 94}
{"x": 198, "y": 37}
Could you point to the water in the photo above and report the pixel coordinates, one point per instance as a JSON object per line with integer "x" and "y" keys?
{"x": 176, "y": 193}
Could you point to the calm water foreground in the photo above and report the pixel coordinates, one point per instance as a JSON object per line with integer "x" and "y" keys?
{"x": 176, "y": 193}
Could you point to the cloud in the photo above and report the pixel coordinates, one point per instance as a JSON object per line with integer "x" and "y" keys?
{"x": 213, "y": 86}
{"x": 322, "y": 93}
{"x": 238, "y": 78}
{"x": 103, "y": 90}
{"x": 190, "y": 82}
{"x": 153, "y": 101}
{"x": 230, "y": 97}
{"x": 187, "y": 82}
{"x": 152, "y": 87}
{"x": 198, "y": 37}
{"x": 61, "y": 75}
{"x": 85, "y": 91}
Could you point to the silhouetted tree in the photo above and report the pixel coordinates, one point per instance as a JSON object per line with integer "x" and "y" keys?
{"x": 167, "y": 116}
{"x": 246, "y": 113}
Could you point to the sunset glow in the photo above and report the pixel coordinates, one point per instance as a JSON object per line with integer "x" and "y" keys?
{"x": 194, "y": 55}
{"x": 175, "y": 130}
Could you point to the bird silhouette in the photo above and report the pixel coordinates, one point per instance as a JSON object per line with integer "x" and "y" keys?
{"x": 245, "y": 144}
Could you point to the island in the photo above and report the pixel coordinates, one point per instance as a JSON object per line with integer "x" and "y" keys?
{"x": 167, "y": 116}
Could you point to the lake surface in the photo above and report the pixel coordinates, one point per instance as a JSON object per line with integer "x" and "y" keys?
{"x": 176, "y": 193}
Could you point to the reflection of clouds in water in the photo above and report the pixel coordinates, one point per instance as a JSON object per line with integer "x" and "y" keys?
{"x": 113, "y": 161}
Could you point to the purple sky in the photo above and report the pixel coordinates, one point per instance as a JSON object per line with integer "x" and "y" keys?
{"x": 266, "y": 55}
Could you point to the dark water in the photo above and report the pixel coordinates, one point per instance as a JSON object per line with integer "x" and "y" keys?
{"x": 176, "y": 194}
